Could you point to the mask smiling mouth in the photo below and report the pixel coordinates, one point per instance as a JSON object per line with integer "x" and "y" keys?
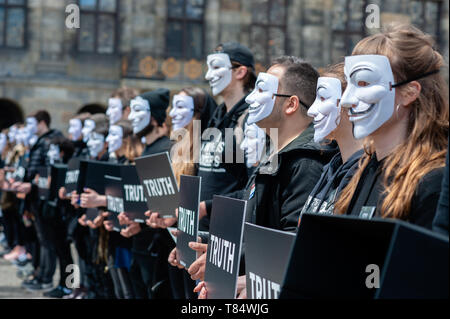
{"x": 254, "y": 107}
{"x": 214, "y": 81}
{"x": 352, "y": 113}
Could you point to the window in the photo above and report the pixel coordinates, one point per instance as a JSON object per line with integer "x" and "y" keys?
{"x": 98, "y": 26}
{"x": 268, "y": 33}
{"x": 184, "y": 33}
{"x": 426, "y": 15}
{"x": 348, "y": 26}
{"x": 13, "y": 23}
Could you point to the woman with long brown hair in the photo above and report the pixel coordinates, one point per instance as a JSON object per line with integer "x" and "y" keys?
{"x": 398, "y": 99}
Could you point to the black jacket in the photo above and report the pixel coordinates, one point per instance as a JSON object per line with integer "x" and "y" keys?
{"x": 277, "y": 191}
{"x": 368, "y": 196}
{"x": 440, "y": 222}
{"x": 335, "y": 177}
{"x": 38, "y": 153}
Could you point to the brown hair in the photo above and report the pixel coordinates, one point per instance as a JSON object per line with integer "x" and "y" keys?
{"x": 250, "y": 77}
{"x": 125, "y": 94}
{"x": 411, "y": 54}
{"x": 336, "y": 71}
{"x": 101, "y": 123}
{"x": 42, "y": 115}
{"x": 132, "y": 144}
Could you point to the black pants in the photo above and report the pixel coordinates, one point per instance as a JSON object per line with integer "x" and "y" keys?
{"x": 121, "y": 280}
{"x": 181, "y": 283}
{"x": 13, "y": 227}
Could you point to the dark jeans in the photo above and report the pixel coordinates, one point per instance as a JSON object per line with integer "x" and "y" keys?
{"x": 181, "y": 283}
{"x": 121, "y": 280}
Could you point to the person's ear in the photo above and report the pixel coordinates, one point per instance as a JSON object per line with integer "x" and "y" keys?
{"x": 292, "y": 105}
{"x": 240, "y": 72}
{"x": 126, "y": 111}
{"x": 410, "y": 93}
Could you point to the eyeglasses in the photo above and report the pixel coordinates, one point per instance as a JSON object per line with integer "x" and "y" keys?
{"x": 289, "y": 96}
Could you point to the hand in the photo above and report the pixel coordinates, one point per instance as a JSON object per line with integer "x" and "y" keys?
{"x": 24, "y": 188}
{"x": 202, "y": 210}
{"x": 97, "y": 222}
{"x": 82, "y": 220}
{"x": 173, "y": 259}
{"x": 123, "y": 219}
{"x": 241, "y": 288}
{"x": 197, "y": 268}
{"x": 156, "y": 222}
{"x": 62, "y": 193}
{"x": 91, "y": 199}
{"x": 201, "y": 287}
{"x": 131, "y": 230}
{"x": 15, "y": 185}
{"x": 109, "y": 225}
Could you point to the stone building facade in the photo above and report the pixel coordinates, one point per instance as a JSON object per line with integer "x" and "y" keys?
{"x": 163, "y": 43}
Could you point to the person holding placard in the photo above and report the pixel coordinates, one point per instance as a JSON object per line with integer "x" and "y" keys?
{"x": 400, "y": 101}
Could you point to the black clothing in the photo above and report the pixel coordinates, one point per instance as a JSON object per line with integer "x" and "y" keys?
{"x": 440, "y": 222}
{"x": 277, "y": 191}
{"x": 367, "y": 199}
{"x": 219, "y": 177}
{"x": 335, "y": 177}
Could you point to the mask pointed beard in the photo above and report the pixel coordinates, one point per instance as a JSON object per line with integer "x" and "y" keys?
{"x": 219, "y": 72}
{"x": 114, "y": 138}
{"x": 114, "y": 111}
{"x": 326, "y": 109}
{"x": 369, "y": 96}
{"x": 95, "y": 144}
{"x": 140, "y": 115}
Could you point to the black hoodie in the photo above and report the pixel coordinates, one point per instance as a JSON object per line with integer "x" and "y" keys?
{"x": 277, "y": 191}
{"x": 335, "y": 177}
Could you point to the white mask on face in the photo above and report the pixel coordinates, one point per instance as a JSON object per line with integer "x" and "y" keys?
{"x": 31, "y": 124}
{"x": 3, "y": 141}
{"x": 23, "y": 136}
{"x": 89, "y": 126}
{"x": 75, "y": 127}
{"x": 114, "y": 111}
{"x": 219, "y": 72}
{"x": 326, "y": 109}
{"x": 12, "y": 133}
{"x": 369, "y": 96}
{"x": 95, "y": 144}
{"x": 253, "y": 143}
{"x": 53, "y": 153}
{"x": 114, "y": 138}
{"x": 182, "y": 111}
{"x": 262, "y": 99}
{"x": 140, "y": 114}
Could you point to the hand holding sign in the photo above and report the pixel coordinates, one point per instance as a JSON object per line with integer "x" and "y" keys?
{"x": 91, "y": 199}
{"x": 201, "y": 288}
{"x": 131, "y": 230}
{"x": 24, "y": 188}
{"x": 74, "y": 199}
{"x": 82, "y": 220}
{"x": 155, "y": 221}
{"x": 174, "y": 259}
{"x": 197, "y": 269}
{"x": 241, "y": 287}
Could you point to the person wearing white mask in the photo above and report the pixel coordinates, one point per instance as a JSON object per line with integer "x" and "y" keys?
{"x": 122, "y": 143}
{"x": 253, "y": 144}
{"x": 119, "y": 104}
{"x": 399, "y": 101}
{"x": 75, "y": 127}
{"x": 88, "y": 127}
{"x": 12, "y": 131}
{"x": 331, "y": 123}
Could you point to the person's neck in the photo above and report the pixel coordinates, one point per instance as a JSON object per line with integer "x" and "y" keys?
{"x": 100, "y": 155}
{"x": 287, "y": 132}
{"x": 387, "y": 138}
{"x": 348, "y": 145}
{"x": 231, "y": 96}
{"x": 151, "y": 137}
{"x": 44, "y": 131}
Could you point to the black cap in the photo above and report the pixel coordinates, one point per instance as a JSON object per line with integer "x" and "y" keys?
{"x": 237, "y": 53}
{"x": 159, "y": 102}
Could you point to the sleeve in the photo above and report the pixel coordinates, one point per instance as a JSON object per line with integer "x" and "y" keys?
{"x": 425, "y": 200}
{"x": 298, "y": 184}
{"x": 440, "y": 222}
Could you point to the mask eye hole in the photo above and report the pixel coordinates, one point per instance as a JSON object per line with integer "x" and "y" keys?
{"x": 322, "y": 98}
{"x": 260, "y": 90}
{"x": 363, "y": 83}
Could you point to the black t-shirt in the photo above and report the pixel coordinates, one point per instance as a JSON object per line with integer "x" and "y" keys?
{"x": 143, "y": 240}
{"x": 368, "y": 196}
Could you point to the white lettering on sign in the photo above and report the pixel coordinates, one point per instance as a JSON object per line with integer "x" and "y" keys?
{"x": 262, "y": 288}
{"x": 72, "y": 176}
{"x": 221, "y": 253}
{"x": 186, "y": 220}
{"x": 159, "y": 187}
{"x": 114, "y": 204}
{"x": 134, "y": 193}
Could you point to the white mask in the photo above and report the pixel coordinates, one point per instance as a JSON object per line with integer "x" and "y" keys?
{"x": 253, "y": 143}
{"x": 31, "y": 124}
{"x": 326, "y": 109}
{"x": 95, "y": 144}
{"x": 114, "y": 111}
{"x": 114, "y": 138}
{"x": 23, "y": 136}
{"x": 53, "y": 153}
{"x": 140, "y": 114}
{"x": 219, "y": 72}
{"x": 369, "y": 80}
{"x": 3, "y": 141}
{"x": 12, "y": 133}
{"x": 75, "y": 127}
{"x": 89, "y": 126}
{"x": 262, "y": 99}
{"x": 182, "y": 111}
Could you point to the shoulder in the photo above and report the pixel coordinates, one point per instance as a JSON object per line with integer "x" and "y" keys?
{"x": 431, "y": 182}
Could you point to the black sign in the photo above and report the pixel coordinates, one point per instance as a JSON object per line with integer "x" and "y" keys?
{"x": 134, "y": 203}
{"x": 43, "y": 182}
{"x": 346, "y": 257}
{"x": 160, "y": 187}
{"x": 57, "y": 180}
{"x": 224, "y": 247}
{"x": 114, "y": 198}
{"x": 73, "y": 172}
{"x": 267, "y": 253}
{"x": 188, "y": 218}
